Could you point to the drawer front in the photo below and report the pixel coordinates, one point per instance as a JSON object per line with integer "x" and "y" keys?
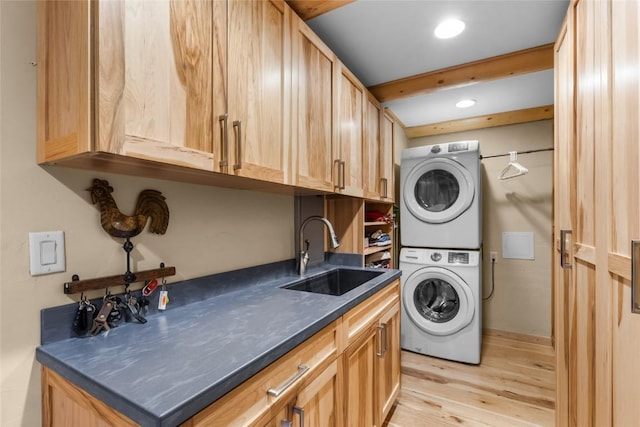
{"x": 361, "y": 317}
{"x": 263, "y": 393}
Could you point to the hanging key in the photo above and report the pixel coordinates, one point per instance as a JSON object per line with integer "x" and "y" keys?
{"x": 133, "y": 308}
{"x": 101, "y": 323}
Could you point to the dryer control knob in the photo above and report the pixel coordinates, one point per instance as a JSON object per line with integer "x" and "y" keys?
{"x": 436, "y": 149}
{"x": 436, "y": 256}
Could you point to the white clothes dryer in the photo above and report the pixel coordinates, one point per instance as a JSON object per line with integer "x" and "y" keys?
{"x": 441, "y": 200}
{"x": 441, "y": 309}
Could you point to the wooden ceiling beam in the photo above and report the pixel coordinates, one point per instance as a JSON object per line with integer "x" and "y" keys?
{"x": 481, "y": 122}
{"x": 308, "y": 9}
{"x": 498, "y": 67}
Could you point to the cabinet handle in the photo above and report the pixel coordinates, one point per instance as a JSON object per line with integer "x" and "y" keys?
{"x": 223, "y": 119}
{"x": 275, "y": 392}
{"x": 300, "y": 411}
{"x": 563, "y": 248}
{"x": 382, "y": 335}
{"x": 343, "y": 166}
{"x": 635, "y": 258}
{"x": 286, "y": 423}
{"x": 384, "y": 183}
{"x": 336, "y": 165}
{"x": 238, "y": 125}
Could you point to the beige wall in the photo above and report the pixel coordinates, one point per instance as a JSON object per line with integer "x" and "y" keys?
{"x": 211, "y": 229}
{"x": 522, "y": 297}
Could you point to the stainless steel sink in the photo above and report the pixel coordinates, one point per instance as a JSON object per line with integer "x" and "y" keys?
{"x": 334, "y": 282}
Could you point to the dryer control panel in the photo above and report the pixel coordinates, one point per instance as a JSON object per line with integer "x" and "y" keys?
{"x": 440, "y": 257}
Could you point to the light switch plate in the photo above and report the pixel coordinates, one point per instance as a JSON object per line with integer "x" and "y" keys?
{"x": 46, "y": 252}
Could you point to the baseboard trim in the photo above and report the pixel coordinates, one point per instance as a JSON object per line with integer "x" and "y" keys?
{"x": 517, "y": 336}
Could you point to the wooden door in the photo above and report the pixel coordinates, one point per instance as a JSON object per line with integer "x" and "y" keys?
{"x": 387, "y": 163}
{"x": 371, "y": 148}
{"x": 359, "y": 373}
{"x": 317, "y": 404}
{"x": 388, "y": 369}
{"x": 348, "y": 170}
{"x": 313, "y": 112}
{"x": 625, "y": 204}
{"x": 564, "y": 291}
{"x": 582, "y": 351}
{"x": 259, "y": 90}
{"x": 159, "y": 65}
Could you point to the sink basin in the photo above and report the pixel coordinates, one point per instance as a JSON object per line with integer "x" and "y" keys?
{"x": 334, "y": 282}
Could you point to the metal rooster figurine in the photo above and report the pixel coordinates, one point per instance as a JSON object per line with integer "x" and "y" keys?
{"x": 150, "y": 204}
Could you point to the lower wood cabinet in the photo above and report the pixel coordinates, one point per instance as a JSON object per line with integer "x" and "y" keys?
{"x": 348, "y": 374}
{"x": 372, "y": 360}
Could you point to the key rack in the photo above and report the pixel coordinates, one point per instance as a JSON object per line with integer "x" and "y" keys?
{"x": 76, "y": 285}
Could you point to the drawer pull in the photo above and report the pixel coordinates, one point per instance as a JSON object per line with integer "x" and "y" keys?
{"x": 635, "y": 258}
{"x": 224, "y": 141}
{"x": 275, "y": 392}
{"x": 382, "y": 338}
{"x": 238, "y": 125}
{"x": 565, "y": 260}
{"x": 300, "y": 412}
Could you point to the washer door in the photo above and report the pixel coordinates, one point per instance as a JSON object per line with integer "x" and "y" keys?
{"x": 438, "y": 190}
{"x": 438, "y": 301}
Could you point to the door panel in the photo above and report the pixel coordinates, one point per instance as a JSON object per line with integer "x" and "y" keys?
{"x": 156, "y": 79}
{"x": 259, "y": 89}
{"x": 625, "y": 222}
{"x": 564, "y": 292}
{"x": 313, "y": 111}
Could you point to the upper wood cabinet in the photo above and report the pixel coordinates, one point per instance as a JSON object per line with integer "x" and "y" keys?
{"x": 133, "y": 78}
{"x": 259, "y": 90}
{"x": 371, "y": 148}
{"x": 203, "y": 84}
{"x": 348, "y": 159}
{"x": 378, "y": 152}
{"x": 313, "y": 125}
{"x": 387, "y": 163}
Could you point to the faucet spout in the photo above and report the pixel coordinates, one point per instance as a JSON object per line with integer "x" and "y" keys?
{"x": 304, "y": 251}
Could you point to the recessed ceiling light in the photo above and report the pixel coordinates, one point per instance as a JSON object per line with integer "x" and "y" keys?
{"x": 449, "y": 28}
{"x": 466, "y": 103}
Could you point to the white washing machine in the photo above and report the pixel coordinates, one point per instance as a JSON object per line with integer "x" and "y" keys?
{"x": 441, "y": 310}
{"x": 441, "y": 201}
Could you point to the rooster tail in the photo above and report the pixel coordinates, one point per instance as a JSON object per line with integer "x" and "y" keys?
{"x": 151, "y": 203}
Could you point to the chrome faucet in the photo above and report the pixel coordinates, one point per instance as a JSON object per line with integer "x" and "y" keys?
{"x": 304, "y": 249}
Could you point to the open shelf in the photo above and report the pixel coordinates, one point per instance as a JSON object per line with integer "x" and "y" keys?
{"x": 373, "y": 249}
{"x": 367, "y": 224}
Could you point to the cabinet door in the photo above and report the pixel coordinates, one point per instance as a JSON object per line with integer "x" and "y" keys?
{"x": 388, "y": 369}
{"x": 564, "y": 291}
{"x": 317, "y": 403}
{"x": 387, "y": 164}
{"x": 348, "y": 168}
{"x": 371, "y": 150}
{"x": 158, "y": 68}
{"x": 313, "y": 80}
{"x": 624, "y": 219}
{"x": 360, "y": 370}
{"x": 259, "y": 90}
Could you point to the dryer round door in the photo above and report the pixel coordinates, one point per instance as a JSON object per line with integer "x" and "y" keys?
{"x": 438, "y": 190}
{"x": 438, "y": 301}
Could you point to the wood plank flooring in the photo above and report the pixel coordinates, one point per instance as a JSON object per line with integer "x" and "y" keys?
{"x": 514, "y": 385}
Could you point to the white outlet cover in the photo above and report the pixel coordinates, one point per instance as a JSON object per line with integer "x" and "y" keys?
{"x": 46, "y": 252}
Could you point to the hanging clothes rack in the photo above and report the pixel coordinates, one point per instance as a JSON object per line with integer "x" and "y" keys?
{"x": 517, "y": 152}
{"x": 514, "y": 168}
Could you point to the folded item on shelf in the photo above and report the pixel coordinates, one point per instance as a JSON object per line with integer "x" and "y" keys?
{"x": 377, "y": 216}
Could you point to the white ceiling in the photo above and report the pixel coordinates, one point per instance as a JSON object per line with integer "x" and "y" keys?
{"x": 385, "y": 40}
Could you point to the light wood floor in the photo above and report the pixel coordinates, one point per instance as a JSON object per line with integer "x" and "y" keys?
{"x": 514, "y": 385}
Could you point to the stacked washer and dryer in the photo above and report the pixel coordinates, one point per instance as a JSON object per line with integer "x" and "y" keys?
{"x": 440, "y": 259}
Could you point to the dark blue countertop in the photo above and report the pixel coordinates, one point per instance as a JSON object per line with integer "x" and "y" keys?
{"x": 183, "y": 359}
